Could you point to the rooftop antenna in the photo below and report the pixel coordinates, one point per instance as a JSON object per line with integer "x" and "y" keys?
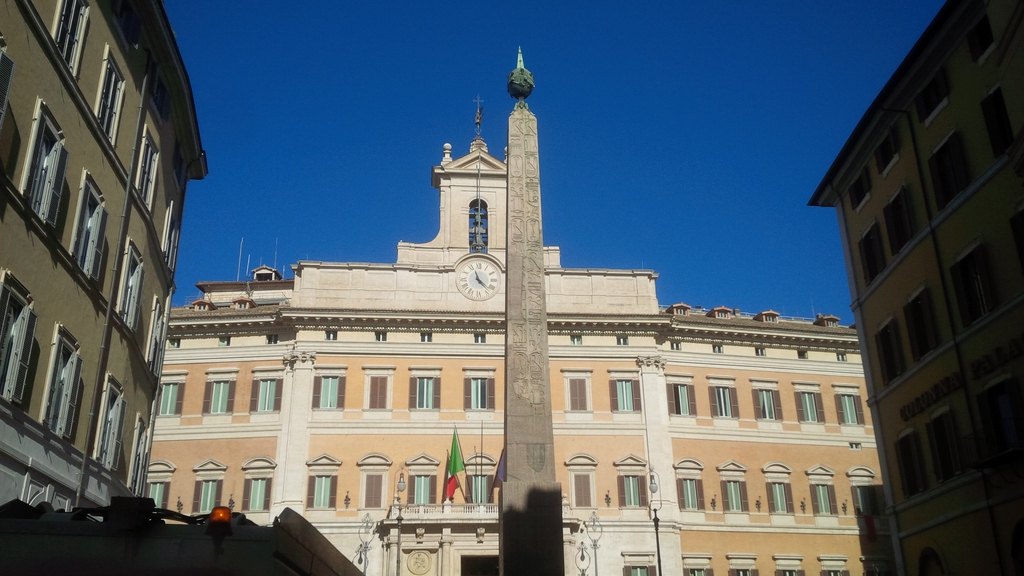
{"x": 275, "y": 253}
{"x": 238, "y": 272}
{"x": 477, "y": 244}
{"x": 248, "y": 266}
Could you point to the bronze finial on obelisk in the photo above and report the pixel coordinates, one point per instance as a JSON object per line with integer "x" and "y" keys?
{"x": 530, "y": 522}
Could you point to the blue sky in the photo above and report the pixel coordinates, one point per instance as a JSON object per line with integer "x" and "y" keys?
{"x": 684, "y": 137}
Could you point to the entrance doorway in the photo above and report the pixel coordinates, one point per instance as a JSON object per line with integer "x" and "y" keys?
{"x": 479, "y": 566}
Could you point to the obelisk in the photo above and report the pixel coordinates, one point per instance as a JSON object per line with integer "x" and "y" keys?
{"x": 530, "y": 517}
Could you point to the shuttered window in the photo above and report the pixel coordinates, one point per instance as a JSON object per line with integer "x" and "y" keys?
{"x": 372, "y": 498}
{"x": 114, "y": 407}
{"x": 578, "y": 394}
{"x": 171, "y": 396}
{"x": 131, "y": 290}
{"x": 44, "y": 182}
{"x": 17, "y": 335}
{"x": 681, "y": 400}
{"x": 582, "y": 493}
{"x": 146, "y": 181}
{"x": 724, "y": 402}
{"x": 378, "y": 392}
{"x": 329, "y": 392}
{"x": 62, "y": 399}
{"x": 256, "y": 494}
{"x": 90, "y": 234}
{"x": 973, "y": 287}
{"x": 948, "y": 168}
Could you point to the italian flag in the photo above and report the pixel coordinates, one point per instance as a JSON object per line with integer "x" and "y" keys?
{"x": 455, "y": 465}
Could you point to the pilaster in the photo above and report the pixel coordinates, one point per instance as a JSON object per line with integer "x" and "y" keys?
{"x": 293, "y": 443}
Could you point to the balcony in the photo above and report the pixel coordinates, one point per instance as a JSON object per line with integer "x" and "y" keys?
{"x": 452, "y": 512}
{"x": 1001, "y": 442}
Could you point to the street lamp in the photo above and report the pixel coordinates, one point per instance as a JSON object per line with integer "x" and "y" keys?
{"x": 582, "y": 559}
{"x": 398, "y": 501}
{"x": 594, "y": 531}
{"x": 654, "y": 509}
{"x": 362, "y": 553}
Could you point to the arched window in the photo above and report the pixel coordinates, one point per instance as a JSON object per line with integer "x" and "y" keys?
{"x": 478, "y": 226}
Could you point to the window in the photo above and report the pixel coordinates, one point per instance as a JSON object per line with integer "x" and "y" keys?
{"x": 1002, "y": 418}
{"x": 161, "y": 97}
{"x": 734, "y": 496}
{"x": 424, "y": 489}
{"x": 109, "y": 109}
{"x": 44, "y": 181}
{"x": 622, "y": 340}
{"x": 942, "y": 438}
{"x": 256, "y": 494}
{"x": 331, "y": 335}
{"x": 479, "y": 338}
{"x": 576, "y": 339}
{"x": 207, "y": 496}
{"x": 920, "y": 328}
{"x": 890, "y": 352}
{"x": 840, "y": 356}
{"x": 676, "y": 345}
{"x": 760, "y": 351}
{"x": 691, "y": 493}
{"x": 697, "y": 572}
{"x": 380, "y": 336}
{"x": 146, "y": 179}
{"x": 864, "y": 501}
{"x": 780, "y": 498}
{"x": 17, "y": 334}
{"x": 174, "y": 343}
{"x": 858, "y": 191}
{"x": 171, "y": 396}
{"x": 140, "y": 459}
{"x": 373, "y": 495}
{"x": 224, "y": 341}
{"x": 639, "y": 571}
{"x": 70, "y": 27}
{"x": 971, "y": 282}
{"x": 272, "y": 339}
{"x": 801, "y": 354}
{"x": 716, "y": 348}
{"x": 158, "y": 492}
{"x": 850, "y": 409}
{"x": 424, "y": 393}
{"x": 1000, "y": 133}
{"x": 578, "y": 394}
{"x": 479, "y": 489}
{"x": 625, "y": 395}
{"x": 478, "y": 394}
{"x": 823, "y": 499}
{"x": 632, "y": 491}
{"x": 767, "y": 404}
{"x": 426, "y": 336}
{"x": 724, "y": 403}
{"x": 62, "y": 399}
{"x": 948, "y": 170}
{"x": 322, "y": 492}
{"x": 979, "y": 39}
{"x": 478, "y": 226}
{"x": 809, "y": 407}
{"x": 180, "y": 173}
{"x": 885, "y": 154}
{"x": 266, "y": 395}
{"x": 114, "y": 408}
{"x": 157, "y": 334}
{"x": 899, "y": 222}
{"x": 220, "y": 397}
{"x": 329, "y": 392}
{"x": 128, "y": 21}
{"x": 131, "y": 291}
{"x": 909, "y": 462}
{"x": 90, "y": 234}
{"x": 378, "y": 393}
{"x": 872, "y": 258}
{"x": 6, "y": 76}
{"x": 932, "y": 95}
{"x": 681, "y": 400}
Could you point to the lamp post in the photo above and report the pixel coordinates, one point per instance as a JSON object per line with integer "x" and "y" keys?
{"x": 654, "y": 509}
{"x": 398, "y": 501}
{"x": 594, "y": 531}
{"x": 362, "y": 553}
{"x": 582, "y": 560}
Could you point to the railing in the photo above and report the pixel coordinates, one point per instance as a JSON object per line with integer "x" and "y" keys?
{"x": 1002, "y": 441}
{"x": 448, "y": 509}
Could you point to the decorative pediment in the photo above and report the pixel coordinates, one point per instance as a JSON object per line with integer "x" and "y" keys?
{"x": 210, "y": 465}
{"x": 581, "y": 460}
{"x": 631, "y": 460}
{"x": 776, "y": 468}
{"x": 688, "y": 464}
{"x": 422, "y": 460}
{"x": 259, "y": 462}
{"x": 324, "y": 459}
{"x": 468, "y": 162}
{"x": 860, "y": 472}
{"x": 820, "y": 470}
{"x": 158, "y": 466}
{"x": 374, "y": 459}
{"x": 731, "y": 466}
{"x": 480, "y": 459}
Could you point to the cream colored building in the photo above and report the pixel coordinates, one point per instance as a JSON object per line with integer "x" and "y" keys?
{"x": 321, "y": 391}
{"x": 98, "y": 140}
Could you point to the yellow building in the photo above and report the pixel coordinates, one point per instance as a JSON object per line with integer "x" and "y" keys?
{"x": 928, "y": 190}
{"x": 330, "y": 391}
{"x": 98, "y": 139}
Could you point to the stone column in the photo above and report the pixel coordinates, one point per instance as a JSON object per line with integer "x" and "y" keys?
{"x": 445, "y": 557}
{"x": 290, "y": 482}
{"x": 659, "y": 444}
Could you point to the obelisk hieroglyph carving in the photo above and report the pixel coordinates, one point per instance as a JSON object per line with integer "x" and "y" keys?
{"x": 531, "y": 505}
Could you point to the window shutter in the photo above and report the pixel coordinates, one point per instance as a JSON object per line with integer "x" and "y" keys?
{"x": 789, "y": 498}
{"x": 136, "y": 305}
{"x": 725, "y": 496}
{"x": 55, "y": 185}
{"x": 642, "y": 485}
{"x": 890, "y": 227}
{"x": 254, "y": 396}
{"x": 955, "y": 271}
{"x": 469, "y": 489}
{"x": 180, "y": 398}
{"x": 382, "y": 392}
{"x": 679, "y": 493}
{"x": 832, "y": 500}
{"x": 246, "y": 492}
{"x": 165, "y": 494}
{"x": 815, "y": 506}
{"x": 437, "y": 394}
{"x": 743, "y": 497}
{"x": 99, "y": 244}
{"x": 692, "y": 399}
{"x": 341, "y": 392}
{"x": 220, "y": 491}
{"x": 700, "y": 494}
{"x": 373, "y": 490}
{"x": 709, "y": 572}
{"x": 859, "y": 407}
{"x": 278, "y": 393}
{"x": 197, "y": 496}
{"x": 652, "y": 570}
{"x": 467, "y": 393}
{"x": 673, "y": 404}
{"x": 333, "y": 498}
{"x": 24, "y": 355}
{"x": 582, "y": 486}
{"x": 938, "y": 183}
{"x": 927, "y": 320}
{"x": 771, "y": 497}
{"x": 266, "y": 493}
{"x": 714, "y": 401}
{"x": 613, "y": 395}
{"x": 819, "y": 407}
{"x": 800, "y": 416}
{"x": 625, "y": 571}
{"x": 733, "y": 572}
{"x": 734, "y": 399}
{"x": 778, "y": 404}
{"x": 984, "y": 279}
{"x": 839, "y": 409}
{"x": 311, "y": 492}
{"x": 621, "y": 483}
{"x": 490, "y": 394}
{"x": 118, "y": 431}
{"x": 636, "y": 396}
{"x": 68, "y": 427}
{"x": 757, "y": 403}
{"x": 433, "y": 489}
{"x": 318, "y": 383}
{"x": 412, "y": 392}
{"x": 959, "y": 164}
{"x": 6, "y": 77}
{"x": 755, "y": 572}
{"x": 490, "y": 491}
{"x": 79, "y": 245}
{"x": 936, "y": 459}
{"x": 901, "y": 463}
{"x": 231, "y": 397}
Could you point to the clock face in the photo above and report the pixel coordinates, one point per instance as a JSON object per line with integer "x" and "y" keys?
{"x": 478, "y": 279}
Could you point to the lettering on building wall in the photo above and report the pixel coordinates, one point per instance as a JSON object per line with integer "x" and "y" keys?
{"x": 936, "y": 392}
